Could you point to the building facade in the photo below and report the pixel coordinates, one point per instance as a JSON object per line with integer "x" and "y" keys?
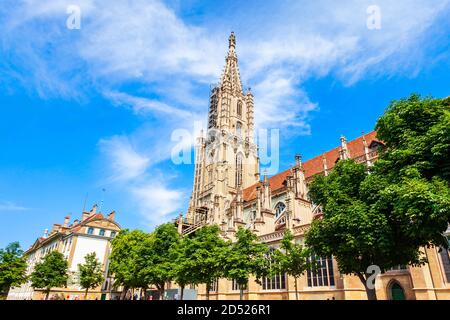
{"x": 93, "y": 233}
{"x": 228, "y": 191}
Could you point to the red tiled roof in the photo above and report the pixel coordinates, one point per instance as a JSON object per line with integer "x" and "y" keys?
{"x": 315, "y": 165}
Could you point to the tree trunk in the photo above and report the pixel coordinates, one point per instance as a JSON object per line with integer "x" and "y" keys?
{"x": 161, "y": 291}
{"x": 371, "y": 293}
{"x": 86, "y": 293}
{"x": 47, "y": 293}
{"x": 296, "y": 289}
{"x": 208, "y": 287}
{"x": 181, "y": 292}
{"x": 123, "y": 293}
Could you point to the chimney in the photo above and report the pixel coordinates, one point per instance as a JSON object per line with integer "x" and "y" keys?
{"x": 94, "y": 209}
{"x": 112, "y": 215}
{"x": 75, "y": 222}
{"x": 66, "y": 221}
{"x": 85, "y": 215}
{"x": 45, "y": 233}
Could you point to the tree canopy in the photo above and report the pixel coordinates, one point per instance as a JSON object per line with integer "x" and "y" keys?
{"x": 385, "y": 214}
{"x": 156, "y": 256}
{"x": 13, "y": 267}
{"x": 51, "y": 272}
{"x": 245, "y": 257}
{"x": 208, "y": 251}
{"x": 292, "y": 258}
{"x": 126, "y": 263}
{"x": 91, "y": 274}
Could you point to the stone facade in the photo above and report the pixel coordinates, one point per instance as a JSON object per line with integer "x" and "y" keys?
{"x": 230, "y": 194}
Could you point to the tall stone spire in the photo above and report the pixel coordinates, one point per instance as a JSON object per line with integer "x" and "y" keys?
{"x": 231, "y": 78}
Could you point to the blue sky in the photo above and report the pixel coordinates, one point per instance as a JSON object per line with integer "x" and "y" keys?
{"x": 92, "y": 109}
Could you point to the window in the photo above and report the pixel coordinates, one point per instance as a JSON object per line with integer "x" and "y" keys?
{"x": 278, "y": 282}
{"x": 445, "y": 257}
{"x": 235, "y": 286}
{"x": 239, "y": 129}
{"x": 279, "y": 209}
{"x": 214, "y": 285}
{"x": 113, "y": 234}
{"x": 398, "y": 267}
{"x": 90, "y": 230}
{"x": 323, "y": 276}
{"x": 238, "y": 170}
{"x": 101, "y": 232}
{"x": 239, "y": 109}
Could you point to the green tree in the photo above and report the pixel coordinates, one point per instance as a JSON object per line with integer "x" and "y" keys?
{"x": 208, "y": 255}
{"x": 13, "y": 267}
{"x": 126, "y": 263}
{"x": 156, "y": 256}
{"x": 91, "y": 274}
{"x": 292, "y": 259}
{"x": 181, "y": 269}
{"x": 50, "y": 272}
{"x": 245, "y": 257}
{"x": 416, "y": 132}
{"x": 384, "y": 218}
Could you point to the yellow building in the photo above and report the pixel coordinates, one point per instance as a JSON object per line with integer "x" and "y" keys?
{"x": 93, "y": 233}
{"x": 229, "y": 192}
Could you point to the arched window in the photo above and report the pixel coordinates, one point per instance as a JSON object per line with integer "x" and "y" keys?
{"x": 239, "y": 129}
{"x": 90, "y": 230}
{"x": 239, "y": 109}
{"x": 238, "y": 170}
{"x": 279, "y": 209}
{"x": 102, "y": 232}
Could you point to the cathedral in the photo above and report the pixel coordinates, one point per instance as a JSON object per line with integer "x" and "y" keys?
{"x": 229, "y": 191}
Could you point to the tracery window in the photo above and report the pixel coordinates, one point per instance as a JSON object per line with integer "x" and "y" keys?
{"x": 279, "y": 209}
{"x": 239, "y": 109}
{"x": 239, "y": 129}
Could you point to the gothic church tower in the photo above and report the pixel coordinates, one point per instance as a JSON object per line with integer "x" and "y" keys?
{"x": 226, "y": 158}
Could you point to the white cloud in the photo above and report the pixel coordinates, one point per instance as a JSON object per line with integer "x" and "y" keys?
{"x": 146, "y": 43}
{"x": 157, "y": 202}
{"x": 136, "y": 176}
{"x": 125, "y": 162}
{"x": 9, "y": 206}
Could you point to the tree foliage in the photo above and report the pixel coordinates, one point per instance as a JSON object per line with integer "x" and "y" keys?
{"x": 292, "y": 258}
{"x": 13, "y": 267}
{"x": 91, "y": 274}
{"x": 51, "y": 272}
{"x": 245, "y": 257}
{"x": 384, "y": 215}
{"x": 126, "y": 263}
{"x": 156, "y": 256}
{"x": 181, "y": 255}
{"x": 208, "y": 251}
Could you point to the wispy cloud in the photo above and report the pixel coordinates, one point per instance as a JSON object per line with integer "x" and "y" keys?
{"x": 8, "y": 206}
{"x": 125, "y": 162}
{"x": 158, "y": 202}
{"x": 140, "y": 181}
{"x": 146, "y": 43}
